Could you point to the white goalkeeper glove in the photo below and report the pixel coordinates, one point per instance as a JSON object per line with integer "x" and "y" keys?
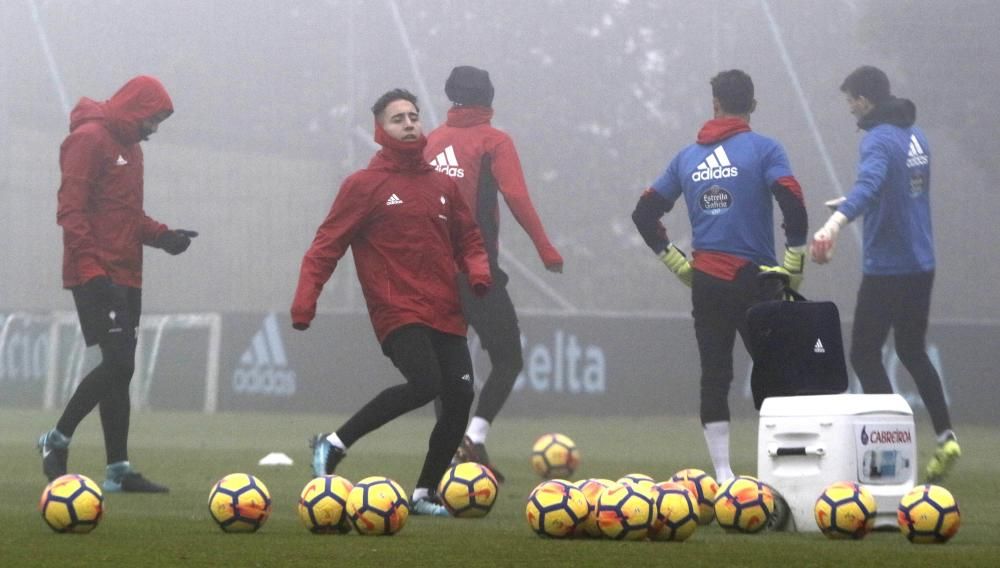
{"x": 826, "y": 238}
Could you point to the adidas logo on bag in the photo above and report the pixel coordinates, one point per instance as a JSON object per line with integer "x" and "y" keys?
{"x": 818, "y": 348}
{"x": 916, "y": 156}
{"x": 263, "y": 368}
{"x": 446, "y": 162}
{"x": 394, "y": 200}
{"x": 715, "y": 166}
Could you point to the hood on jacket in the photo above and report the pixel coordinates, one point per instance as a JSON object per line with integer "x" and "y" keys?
{"x": 895, "y": 111}
{"x": 719, "y": 129}
{"x": 141, "y": 98}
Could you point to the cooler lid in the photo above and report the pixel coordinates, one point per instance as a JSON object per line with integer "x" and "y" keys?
{"x": 835, "y": 405}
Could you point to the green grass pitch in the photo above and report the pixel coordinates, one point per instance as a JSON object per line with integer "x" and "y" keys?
{"x": 189, "y": 452}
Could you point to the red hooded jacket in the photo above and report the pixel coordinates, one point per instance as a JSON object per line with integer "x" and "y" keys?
{"x": 483, "y": 160}
{"x": 410, "y": 232}
{"x": 100, "y": 195}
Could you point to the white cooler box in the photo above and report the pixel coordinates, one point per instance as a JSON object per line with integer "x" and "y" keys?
{"x": 805, "y": 443}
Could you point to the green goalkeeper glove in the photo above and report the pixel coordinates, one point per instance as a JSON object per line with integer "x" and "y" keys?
{"x": 794, "y": 263}
{"x": 675, "y": 260}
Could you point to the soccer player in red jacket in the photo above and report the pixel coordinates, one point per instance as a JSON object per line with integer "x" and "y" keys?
{"x": 483, "y": 162}
{"x": 411, "y": 233}
{"x": 104, "y": 230}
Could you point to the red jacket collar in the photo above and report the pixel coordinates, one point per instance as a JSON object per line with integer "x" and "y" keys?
{"x": 466, "y": 116}
{"x": 396, "y": 155}
{"x": 721, "y": 128}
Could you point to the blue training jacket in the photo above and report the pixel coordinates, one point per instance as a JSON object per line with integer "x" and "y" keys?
{"x": 727, "y": 187}
{"x": 892, "y": 191}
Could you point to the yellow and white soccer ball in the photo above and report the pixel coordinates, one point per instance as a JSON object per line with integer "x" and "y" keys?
{"x": 554, "y": 456}
{"x": 378, "y": 506}
{"x": 591, "y": 489}
{"x": 626, "y": 512}
{"x": 72, "y": 503}
{"x": 676, "y": 512}
{"x": 929, "y": 514}
{"x": 744, "y": 504}
{"x": 239, "y": 502}
{"x": 845, "y": 510}
{"x": 468, "y": 490}
{"x": 556, "y": 508}
{"x": 323, "y": 505}
{"x": 704, "y": 487}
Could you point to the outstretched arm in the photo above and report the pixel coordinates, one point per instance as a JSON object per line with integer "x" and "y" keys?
{"x": 507, "y": 171}
{"x": 329, "y": 245}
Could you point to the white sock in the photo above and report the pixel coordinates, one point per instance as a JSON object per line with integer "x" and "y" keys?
{"x": 478, "y": 429}
{"x": 717, "y": 439}
{"x": 943, "y": 437}
{"x": 335, "y": 440}
{"x": 420, "y": 493}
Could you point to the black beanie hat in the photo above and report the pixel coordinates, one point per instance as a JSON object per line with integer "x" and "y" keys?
{"x": 469, "y": 86}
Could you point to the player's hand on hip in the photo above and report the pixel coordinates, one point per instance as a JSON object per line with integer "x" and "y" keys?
{"x": 675, "y": 260}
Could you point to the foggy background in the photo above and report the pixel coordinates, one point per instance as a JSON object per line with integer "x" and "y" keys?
{"x": 271, "y": 113}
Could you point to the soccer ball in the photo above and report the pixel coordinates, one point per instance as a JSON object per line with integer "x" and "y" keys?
{"x": 72, "y": 503}
{"x": 592, "y": 489}
{"x": 554, "y": 455}
{"x": 845, "y": 510}
{"x": 744, "y": 504}
{"x": 239, "y": 502}
{"x": 928, "y": 514}
{"x": 704, "y": 488}
{"x": 378, "y": 506}
{"x": 323, "y": 505}
{"x": 555, "y": 508}
{"x": 676, "y": 512}
{"x": 640, "y": 480}
{"x": 468, "y": 490}
{"x": 625, "y": 512}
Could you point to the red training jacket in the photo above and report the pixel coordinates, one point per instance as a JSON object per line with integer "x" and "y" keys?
{"x": 100, "y": 195}
{"x": 410, "y": 232}
{"x": 482, "y": 160}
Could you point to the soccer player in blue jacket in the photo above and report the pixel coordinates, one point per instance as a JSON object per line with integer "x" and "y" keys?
{"x": 728, "y": 179}
{"x": 892, "y": 191}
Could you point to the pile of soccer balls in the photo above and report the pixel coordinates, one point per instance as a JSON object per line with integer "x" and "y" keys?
{"x": 634, "y": 507}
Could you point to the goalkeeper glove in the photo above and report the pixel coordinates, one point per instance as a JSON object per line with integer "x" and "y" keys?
{"x": 675, "y": 260}
{"x": 174, "y": 242}
{"x": 794, "y": 263}
{"x": 825, "y": 238}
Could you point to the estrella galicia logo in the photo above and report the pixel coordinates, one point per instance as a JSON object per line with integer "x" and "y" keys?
{"x": 864, "y": 435}
{"x": 263, "y": 368}
{"x": 716, "y": 200}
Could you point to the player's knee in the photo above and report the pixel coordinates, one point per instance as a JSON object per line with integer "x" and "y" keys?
{"x": 507, "y": 362}
{"x": 910, "y": 352}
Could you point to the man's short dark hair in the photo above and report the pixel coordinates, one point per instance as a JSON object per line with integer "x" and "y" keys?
{"x": 868, "y": 82}
{"x": 734, "y": 90}
{"x": 393, "y": 95}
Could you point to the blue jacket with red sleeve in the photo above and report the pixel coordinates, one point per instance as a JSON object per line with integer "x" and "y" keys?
{"x": 728, "y": 179}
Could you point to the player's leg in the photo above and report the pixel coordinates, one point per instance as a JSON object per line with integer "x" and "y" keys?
{"x": 118, "y": 352}
{"x": 412, "y": 352}
{"x": 910, "y": 332}
{"x": 456, "y": 394}
{"x": 872, "y": 320}
{"x": 495, "y": 321}
{"x": 715, "y": 330}
{"x": 93, "y": 310}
